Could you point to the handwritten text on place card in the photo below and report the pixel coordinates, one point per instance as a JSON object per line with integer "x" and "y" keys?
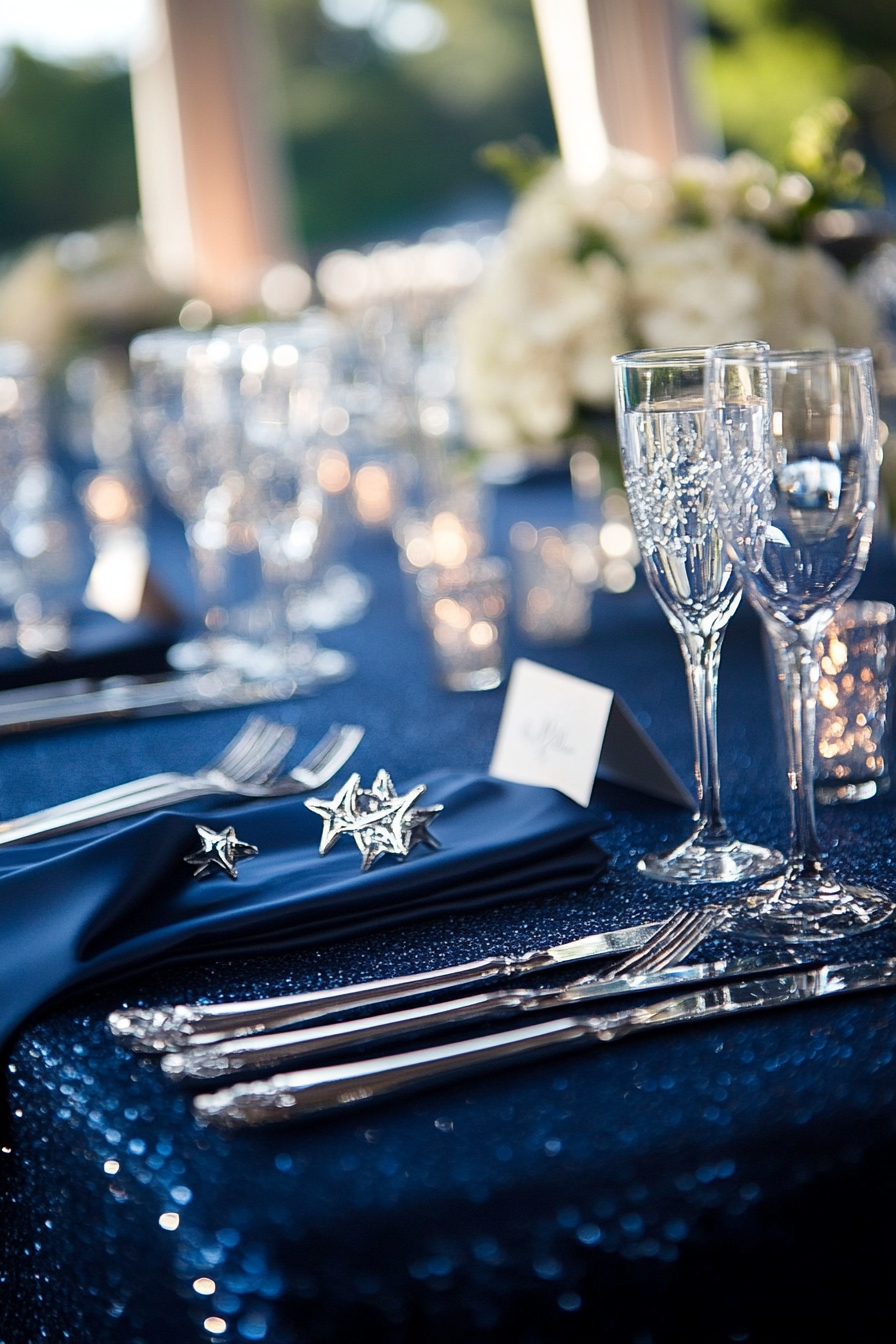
{"x": 552, "y": 730}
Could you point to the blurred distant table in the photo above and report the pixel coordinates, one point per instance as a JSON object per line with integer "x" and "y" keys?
{"x": 719, "y": 1182}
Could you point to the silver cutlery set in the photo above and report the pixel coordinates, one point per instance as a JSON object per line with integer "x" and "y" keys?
{"x": 207, "y": 1041}
{"x": 200, "y": 1042}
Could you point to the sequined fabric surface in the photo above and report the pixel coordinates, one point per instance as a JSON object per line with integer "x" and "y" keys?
{"x": 555, "y": 1200}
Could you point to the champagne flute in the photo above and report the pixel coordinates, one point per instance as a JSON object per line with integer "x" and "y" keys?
{"x": 661, "y": 415}
{"x": 795, "y": 439}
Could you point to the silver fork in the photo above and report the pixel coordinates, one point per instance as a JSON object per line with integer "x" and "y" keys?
{"x": 176, "y": 1027}
{"x": 250, "y": 760}
{"x": 674, "y": 941}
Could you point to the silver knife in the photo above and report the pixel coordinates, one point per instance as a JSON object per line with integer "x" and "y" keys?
{"x": 308, "y": 1092}
{"x": 174, "y": 1027}
{"x": 83, "y": 701}
{"x": 256, "y": 1052}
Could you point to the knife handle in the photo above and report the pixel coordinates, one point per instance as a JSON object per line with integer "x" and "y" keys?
{"x": 313, "y": 1091}
{"x": 244, "y": 1054}
{"x": 178, "y": 1027}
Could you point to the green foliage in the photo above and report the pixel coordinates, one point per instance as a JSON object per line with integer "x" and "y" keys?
{"x": 768, "y": 78}
{"x": 592, "y": 242}
{"x": 782, "y": 73}
{"x": 838, "y": 175}
{"x": 374, "y": 140}
{"x": 518, "y": 163}
{"x": 66, "y": 150}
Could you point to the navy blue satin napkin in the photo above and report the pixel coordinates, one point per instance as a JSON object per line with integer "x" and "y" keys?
{"x": 91, "y": 906}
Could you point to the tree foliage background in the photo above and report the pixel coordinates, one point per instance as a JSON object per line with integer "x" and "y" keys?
{"x": 379, "y": 144}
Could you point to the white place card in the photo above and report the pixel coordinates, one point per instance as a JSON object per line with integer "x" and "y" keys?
{"x": 561, "y": 732}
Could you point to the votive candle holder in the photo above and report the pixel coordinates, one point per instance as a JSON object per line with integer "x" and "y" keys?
{"x": 465, "y": 610}
{"x": 852, "y": 742}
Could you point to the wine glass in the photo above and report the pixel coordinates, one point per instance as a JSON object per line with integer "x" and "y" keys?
{"x": 662, "y": 427}
{"x": 223, "y": 419}
{"x": 795, "y": 439}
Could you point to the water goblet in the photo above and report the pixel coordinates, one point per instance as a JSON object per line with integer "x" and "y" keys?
{"x": 662, "y": 428}
{"x": 795, "y": 440}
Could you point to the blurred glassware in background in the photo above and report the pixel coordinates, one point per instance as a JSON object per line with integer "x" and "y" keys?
{"x": 876, "y": 279}
{"x": 852, "y": 740}
{"x": 465, "y": 609}
{"x": 399, "y": 303}
{"x": 446, "y": 536}
{"x": 225, "y": 421}
{"x": 554, "y": 576}
{"x": 556, "y": 572}
{"x": 617, "y": 545}
{"x": 40, "y": 575}
{"x": 97, "y": 426}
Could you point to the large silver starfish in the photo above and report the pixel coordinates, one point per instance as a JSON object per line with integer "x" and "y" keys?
{"x": 379, "y": 820}
{"x": 219, "y": 849}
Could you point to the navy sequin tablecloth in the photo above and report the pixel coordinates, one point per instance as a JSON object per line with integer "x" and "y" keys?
{"x": 724, "y": 1182}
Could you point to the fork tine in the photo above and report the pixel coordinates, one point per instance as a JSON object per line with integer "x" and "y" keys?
{"x": 277, "y": 743}
{"x": 320, "y": 752}
{"x": 256, "y": 751}
{"x": 673, "y": 940}
{"x": 236, "y": 748}
{"x": 689, "y": 936}
{"x": 335, "y": 742}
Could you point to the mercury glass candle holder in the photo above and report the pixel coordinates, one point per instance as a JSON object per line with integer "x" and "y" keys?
{"x": 554, "y": 576}
{"x": 852, "y": 743}
{"x": 465, "y": 610}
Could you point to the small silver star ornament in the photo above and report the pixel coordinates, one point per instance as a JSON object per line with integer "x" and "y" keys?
{"x": 219, "y": 849}
{"x": 379, "y": 820}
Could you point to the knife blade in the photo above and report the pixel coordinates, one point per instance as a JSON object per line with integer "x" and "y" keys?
{"x": 255, "y": 1052}
{"x": 82, "y": 701}
{"x": 310, "y": 1092}
{"x": 173, "y": 1027}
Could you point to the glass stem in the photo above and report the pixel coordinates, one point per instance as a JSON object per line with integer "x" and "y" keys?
{"x": 798, "y": 678}
{"x": 701, "y": 655}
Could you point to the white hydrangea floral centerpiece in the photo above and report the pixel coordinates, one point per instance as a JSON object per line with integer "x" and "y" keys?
{"x": 642, "y": 257}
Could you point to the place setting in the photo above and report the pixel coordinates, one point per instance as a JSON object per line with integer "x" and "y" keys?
{"x": 749, "y": 472}
{"x": 447, "y": 633}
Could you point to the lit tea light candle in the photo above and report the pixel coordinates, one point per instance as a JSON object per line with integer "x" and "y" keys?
{"x": 465, "y": 609}
{"x": 852, "y": 749}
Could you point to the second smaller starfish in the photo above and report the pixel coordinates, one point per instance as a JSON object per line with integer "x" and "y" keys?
{"x": 220, "y": 849}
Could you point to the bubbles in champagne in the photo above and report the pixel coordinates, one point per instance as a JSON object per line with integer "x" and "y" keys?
{"x": 668, "y": 473}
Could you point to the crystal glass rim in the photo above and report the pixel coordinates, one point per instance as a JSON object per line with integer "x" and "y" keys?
{"x": 685, "y": 355}
{"x": 781, "y": 358}
{"x": 682, "y": 357}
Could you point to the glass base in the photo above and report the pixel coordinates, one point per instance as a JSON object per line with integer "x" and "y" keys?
{"x": 698, "y": 860}
{"x": 800, "y": 906}
{"x": 302, "y": 661}
{"x": 482, "y": 679}
{"x": 340, "y": 598}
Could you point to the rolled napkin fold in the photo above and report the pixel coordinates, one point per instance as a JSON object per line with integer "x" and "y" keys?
{"x": 78, "y": 911}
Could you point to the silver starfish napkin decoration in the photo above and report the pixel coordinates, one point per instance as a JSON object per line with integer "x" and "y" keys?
{"x": 379, "y": 820}
{"x": 219, "y": 849}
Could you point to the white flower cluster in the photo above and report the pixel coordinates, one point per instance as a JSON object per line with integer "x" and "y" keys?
{"x": 639, "y": 258}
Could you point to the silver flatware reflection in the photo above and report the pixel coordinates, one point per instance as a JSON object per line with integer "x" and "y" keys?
{"x": 176, "y": 1026}
{"x": 243, "y": 1054}
{"x": 84, "y": 701}
{"x": 334, "y": 1087}
{"x": 247, "y": 769}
